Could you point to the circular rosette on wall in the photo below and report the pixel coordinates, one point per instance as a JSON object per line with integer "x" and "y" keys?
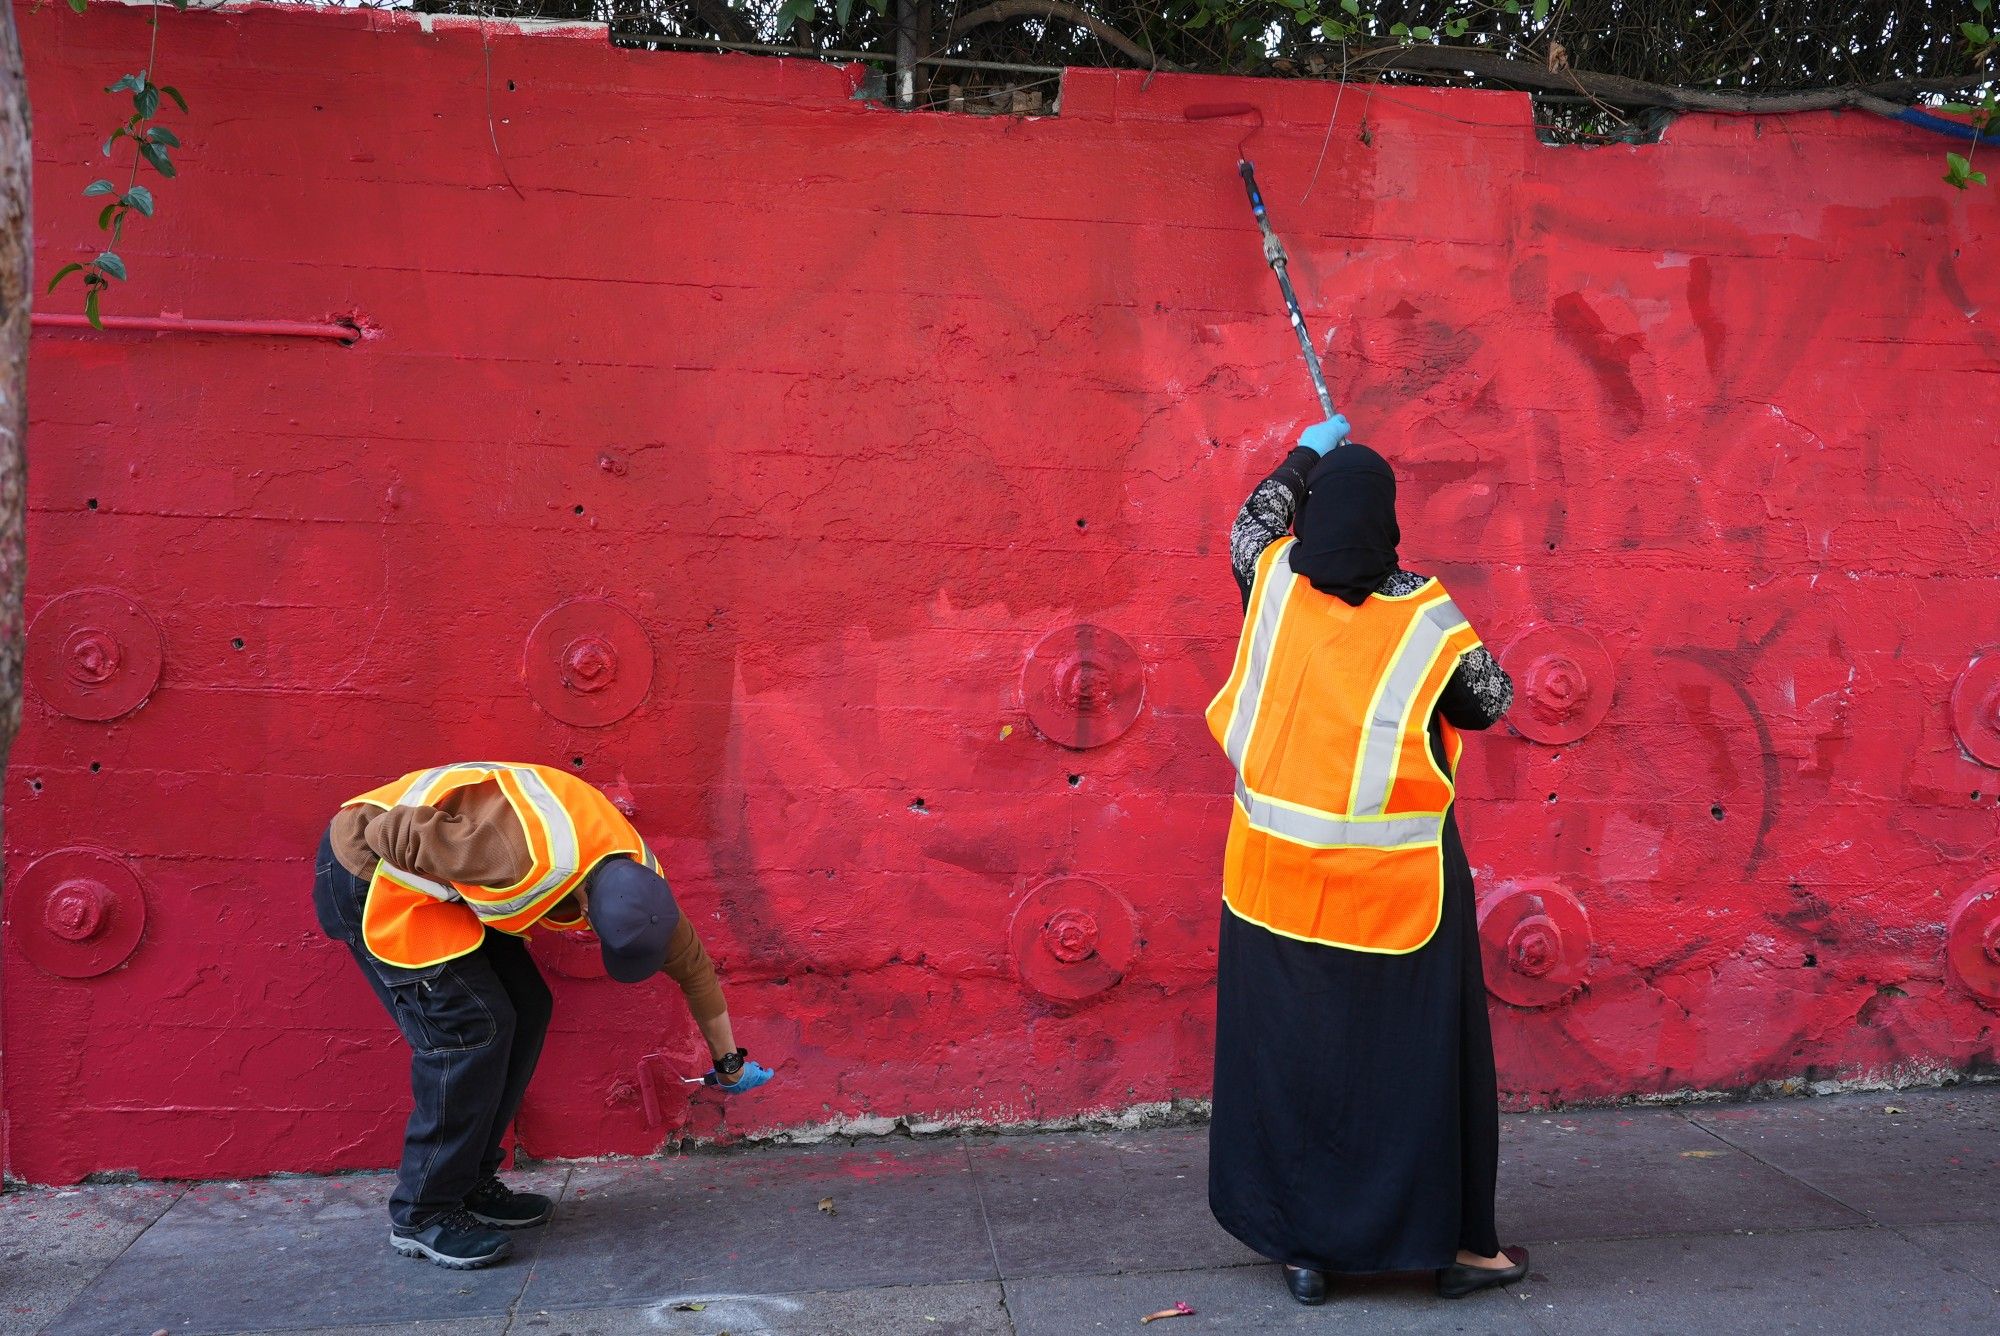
{"x": 1972, "y": 940}
{"x": 94, "y": 654}
{"x": 1073, "y": 938}
{"x": 1563, "y": 683}
{"x": 1083, "y": 686}
{"x": 1975, "y": 710}
{"x": 589, "y": 662}
{"x": 77, "y": 913}
{"x": 574, "y": 955}
{"x": 1534, "y": 938}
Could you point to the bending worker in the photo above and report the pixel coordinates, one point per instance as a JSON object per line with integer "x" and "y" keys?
{"x": 431, "y": 881}
{"x": 1356, "y": 1121}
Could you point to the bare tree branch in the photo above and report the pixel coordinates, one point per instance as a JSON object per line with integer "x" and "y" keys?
{"x": 1621, "y": 91}
{"x": 1052, "y": 9}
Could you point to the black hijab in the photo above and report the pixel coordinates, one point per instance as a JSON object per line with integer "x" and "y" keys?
{"x": 1347, "y": 527}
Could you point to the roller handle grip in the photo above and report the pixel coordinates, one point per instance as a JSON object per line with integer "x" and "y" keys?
{"x": 1249, "y": 175}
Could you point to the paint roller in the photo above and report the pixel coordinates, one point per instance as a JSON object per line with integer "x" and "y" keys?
{"x": 1274, "y": 249}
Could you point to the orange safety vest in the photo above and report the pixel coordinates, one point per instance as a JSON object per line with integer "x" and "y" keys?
{"x": 415, "y": 922}
{"x": 1337, "y": 835}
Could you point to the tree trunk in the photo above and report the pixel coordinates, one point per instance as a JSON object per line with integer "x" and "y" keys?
{"x": 17, "y": 256}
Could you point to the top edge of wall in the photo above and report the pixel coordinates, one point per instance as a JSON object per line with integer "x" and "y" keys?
{"x": 1089, "y": 93}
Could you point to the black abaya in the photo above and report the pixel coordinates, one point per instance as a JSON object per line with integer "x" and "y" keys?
{"x": 1356, "y": 1123}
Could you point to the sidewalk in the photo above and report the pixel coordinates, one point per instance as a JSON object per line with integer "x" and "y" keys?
{"x": 1873, "y": 1213}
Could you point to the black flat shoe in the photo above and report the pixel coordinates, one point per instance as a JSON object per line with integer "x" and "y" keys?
{"x": 1457, "y": 1280}
{"x": 1307, "y": 1286}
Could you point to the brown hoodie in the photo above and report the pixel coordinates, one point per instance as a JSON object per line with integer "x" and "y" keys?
{"x": 472, "y": 835}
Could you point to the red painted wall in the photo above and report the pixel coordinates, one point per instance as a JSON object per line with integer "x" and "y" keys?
{"x": 837, "y": 413}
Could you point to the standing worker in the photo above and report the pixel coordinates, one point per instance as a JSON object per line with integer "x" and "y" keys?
{"x": 1356, "y": 1123}
{"x": 431, "y": 882}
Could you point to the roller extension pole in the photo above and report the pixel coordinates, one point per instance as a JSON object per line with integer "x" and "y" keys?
{"x": 1274, "y": 249}
{"x": 1274, "y": 255}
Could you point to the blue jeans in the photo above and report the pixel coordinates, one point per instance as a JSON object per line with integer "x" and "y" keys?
{"x": 475, "y": 1027}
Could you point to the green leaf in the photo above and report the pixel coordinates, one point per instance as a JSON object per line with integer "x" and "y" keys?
{"x": 1541, "y": 10}
{"x": 1399, "y": 30}
{"x": 1981, "y": 6}
{"x": 140, "y": 198}
{"x": 182, "y": 102}
{"x": 76, "y": 6}
{"x": 146, "y": 101}
{"x": 1977, "y": 178}
{"x": 790, "y": 14}
{"x": 1455, "y": 28}
{"x": 116, "y": 135}
{"x": 100, "y": 187}
{"x": 90, "y": 308}
{"x": 1959, "y": 166}
{"x": 1353, "y": 7}
{"x": 160, "y": 134}
{"x": 843, "y": 10}
{"x": 1198, "y": 22}
{"x": 64, "y": 273}
{"x": 1976, "y": 33}
{"x": 131, "y": 83}
{"x": 157, "y": 156}
{"x": 1334, "y": 30}
{"x": 104, "y": 216}
{"x": 1421, "y": 34}
{"x": 108, "y": 262}
{"x": 1512, "y": 6}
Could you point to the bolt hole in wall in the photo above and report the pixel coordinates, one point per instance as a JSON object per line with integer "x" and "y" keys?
{"x": 917, "y": 805}
{"x": 96, "y": 767}
{"x": 91, "y": 504}
{"x": 576, "y": 762}
{"x": 1716, "y": 812}
{"x": 578, "y": 509}
{"x": 236, "y": 643}
{"x": 1075, "y": 781}
{"x": 1083, "y": 524}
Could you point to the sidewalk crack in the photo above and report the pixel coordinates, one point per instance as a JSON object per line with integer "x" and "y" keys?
{"x": 547, "y": 1235}
{"x": 986, "y": 1223}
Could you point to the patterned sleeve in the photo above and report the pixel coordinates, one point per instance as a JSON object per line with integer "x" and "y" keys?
{"x": 1478, "y": 694}
{"x": 1267, "y": 516}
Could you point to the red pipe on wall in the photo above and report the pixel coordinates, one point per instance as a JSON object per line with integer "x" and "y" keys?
{"x": 165, "y": 324}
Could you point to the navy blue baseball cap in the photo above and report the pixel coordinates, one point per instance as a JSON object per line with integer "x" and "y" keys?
{"x": 632, "y": 910}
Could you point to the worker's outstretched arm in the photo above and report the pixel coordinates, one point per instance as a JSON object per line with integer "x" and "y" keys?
{"x": 1267, "y": 515}
{"x": 688, "y": 965}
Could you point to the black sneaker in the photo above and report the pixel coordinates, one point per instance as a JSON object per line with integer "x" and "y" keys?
{"x": 455, "y": 1239}
{"x": 494, "y": 1203}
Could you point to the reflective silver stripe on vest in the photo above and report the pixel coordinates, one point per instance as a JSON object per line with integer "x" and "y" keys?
{"x": 1326, "y": 831}
{"x": 563, "y": 853}
{"x": 1275, "y": 589}
{"x": 436, "y": 890}
{"x": 1376, "y": 773}
{"x": 414, "y": 795}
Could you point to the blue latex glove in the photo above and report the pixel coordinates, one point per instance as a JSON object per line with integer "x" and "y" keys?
{"x": 754, "y": 1075}
{"x": 1321, "y": 437}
